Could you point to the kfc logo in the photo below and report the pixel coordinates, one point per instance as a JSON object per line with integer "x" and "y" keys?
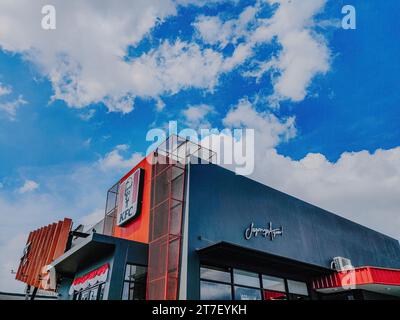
{"x": 129, "y": 197}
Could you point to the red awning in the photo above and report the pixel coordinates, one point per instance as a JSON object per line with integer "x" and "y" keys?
{"x": 90, "y": 279}
{"x": 369, "y": 278}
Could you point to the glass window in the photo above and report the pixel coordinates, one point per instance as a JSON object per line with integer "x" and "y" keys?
{"x": 297, "y": 287}
{"x": 216, "y": 274}
{"x": 242, "y": 293}
{"x": 134, "y": 283}
{"x": 93, "y": 293}
{"x": 101, "y": 291}
{"x": 246, "y": 278}
{"x": 274, "y": 295}
{"x": 84, "y": 295}
{"x": 134, "y": 273}
{"x": 215, "y": 291}
{"x": 273, "y": 283}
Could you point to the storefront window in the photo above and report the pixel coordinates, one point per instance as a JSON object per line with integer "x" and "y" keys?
{"x": 227, "y": 283}
{"x": 297, "y": 287}
{"x": 93, "y": 293}
{"x": 242, "y": 293}
{"x": 273, "y": 283}
{"x": 273, "y": 288}
{"x": 274, "y": 295}
{"x": 215, "y": 274}
{"x": 134, "y": 283}
{"x": 246, "y": 278}
{"x": 215, "y": 291}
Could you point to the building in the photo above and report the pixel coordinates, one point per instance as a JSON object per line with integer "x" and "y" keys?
{"x": 23, "y": 296}
{"x": 174, "y": 229}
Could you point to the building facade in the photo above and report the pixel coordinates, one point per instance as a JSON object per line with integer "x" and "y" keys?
{"x": 178, "y": 230}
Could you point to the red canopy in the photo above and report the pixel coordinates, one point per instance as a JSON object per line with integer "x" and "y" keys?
{"x": 92, "y": 274}
{"x": 369, "y": 278}
{"x": 93, "y": 277}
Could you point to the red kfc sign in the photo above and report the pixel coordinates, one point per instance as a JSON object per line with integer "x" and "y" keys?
{"x": 129, "y": 197}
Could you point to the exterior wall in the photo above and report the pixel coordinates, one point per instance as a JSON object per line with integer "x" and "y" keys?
{"x": 125, "y": 252}
{"x": 222, "y": 205}
{"x": 138, "y": 229}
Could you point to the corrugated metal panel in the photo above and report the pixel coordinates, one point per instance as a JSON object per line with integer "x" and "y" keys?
{"x": 361, "y": 276}
{"x": 45, "y": 245}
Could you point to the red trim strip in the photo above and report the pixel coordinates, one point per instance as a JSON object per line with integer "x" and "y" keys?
{"x": 92, "y": 274}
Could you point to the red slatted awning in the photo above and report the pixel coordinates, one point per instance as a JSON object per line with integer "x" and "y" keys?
{"x": 90, "y": 279}
{"x": 381, "y": 280}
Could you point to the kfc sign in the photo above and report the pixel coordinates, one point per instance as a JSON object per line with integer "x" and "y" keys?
{"x": 129, "y": 197}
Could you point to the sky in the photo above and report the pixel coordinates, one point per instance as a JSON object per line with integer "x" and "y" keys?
{"x": 77, "y": 102}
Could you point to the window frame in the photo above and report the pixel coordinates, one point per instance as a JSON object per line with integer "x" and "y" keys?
{"x": 100, "y": 287}
{"x": 134, "y": 282}
{"x": 289, "y": 295}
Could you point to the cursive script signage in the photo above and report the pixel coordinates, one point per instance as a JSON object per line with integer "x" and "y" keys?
{"x": 268, "y": 232}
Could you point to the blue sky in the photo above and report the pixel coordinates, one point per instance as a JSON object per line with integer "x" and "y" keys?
{"x": 68, "y": 122}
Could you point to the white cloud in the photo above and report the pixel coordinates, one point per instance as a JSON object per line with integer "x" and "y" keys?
{"x": 216, "y": 32}
{"x": 304, "y": 53}
{"x": 4, "y": 90}
{"x": 212, "y": 30}
{"x": 196, "y": 116}
{"x": 10, "y": 106}
{"x": 160, "y": 104}
{"x": 173, "y": 67}
{"x": 11, "y": 253}
{"x": 271, "y": 130}
{"x": 92, "y": 218}
{"x": 86, "y": 116}
{"x": 87, "y": 142}
{"x": 115, "y": 159}
{"x": 28, "y": 186}
{"x": 84, "y": 58}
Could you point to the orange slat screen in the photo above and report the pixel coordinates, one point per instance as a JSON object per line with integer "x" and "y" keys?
{"x": 43, "y": 246}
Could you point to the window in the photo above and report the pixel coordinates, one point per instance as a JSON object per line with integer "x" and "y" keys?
{"x": 134, "y": 283}
{"x": 274, "y": 295}
{"x": 242, "y": 293}
{"x": 246, "y": 278}
{"x": 227, "y": 284}
{"x": 215, "y": 283}
{"x": 215, "y": 274}
{"x": 273, "y": 283}
{"x": 297, "y": 287}
{"x": 215, "y": 291}
{"x": 274, "y": 288}
{"x": 93, "y": 293}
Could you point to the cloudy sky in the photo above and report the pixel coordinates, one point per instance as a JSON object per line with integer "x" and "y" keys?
{"x": 76, "y": 102}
